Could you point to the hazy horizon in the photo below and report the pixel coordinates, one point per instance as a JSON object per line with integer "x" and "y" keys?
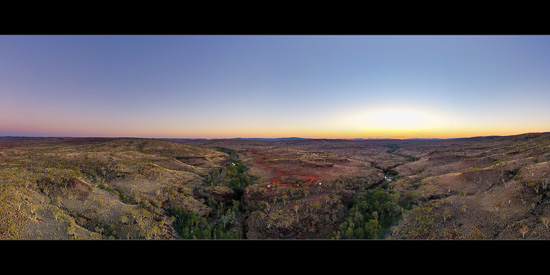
{"x": 285, "y": 137}
{"x": 263, "y": 86}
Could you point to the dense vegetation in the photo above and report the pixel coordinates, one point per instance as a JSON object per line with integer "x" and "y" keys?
{"x": 371, "y": 213}
{"x": 219, "y": 225}
{"x": 232, "y": 175}
{"x": 221, "y": 222}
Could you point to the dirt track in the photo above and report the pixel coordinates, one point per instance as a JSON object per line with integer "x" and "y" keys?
{"x": 281, "y": 173}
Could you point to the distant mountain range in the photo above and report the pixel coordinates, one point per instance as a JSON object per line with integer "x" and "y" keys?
{"x": 295, "y": 138}
{"x": 262, "y": 139}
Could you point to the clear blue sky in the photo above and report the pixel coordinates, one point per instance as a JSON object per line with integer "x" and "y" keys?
{"x": 274, "y": 86}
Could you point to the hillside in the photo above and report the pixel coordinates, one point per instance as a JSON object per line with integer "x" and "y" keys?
{"x": 483, "y": 188}
{"x": 131, "y": 188}
{"x": 96, "y": 188}
{"x": 472, "y": 188}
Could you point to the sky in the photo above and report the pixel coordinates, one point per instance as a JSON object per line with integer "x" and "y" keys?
{"x": 267, "y": 86}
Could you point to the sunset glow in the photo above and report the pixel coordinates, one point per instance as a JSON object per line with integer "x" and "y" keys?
{"x": 274, "y": 86}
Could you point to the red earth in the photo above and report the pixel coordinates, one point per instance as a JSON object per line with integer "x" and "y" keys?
{"x": 281, "y": 173}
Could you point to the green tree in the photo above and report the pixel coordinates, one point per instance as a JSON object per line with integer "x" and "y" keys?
{"x": 373, "y": 211}
{"x": 358, "y": 233}
{"x": 348, "y": 233}
{"x": 371, "y": 229}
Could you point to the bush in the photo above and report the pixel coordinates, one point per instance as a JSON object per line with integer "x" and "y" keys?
{"x": 233, "y": 176}
{"x": 222, "y": 225}
{"x": 371, "y": 213}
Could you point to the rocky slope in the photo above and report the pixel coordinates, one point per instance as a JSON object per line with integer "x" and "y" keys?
{"x": 128, "y": 188}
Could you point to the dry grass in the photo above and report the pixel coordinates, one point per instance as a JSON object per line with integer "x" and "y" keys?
{"x": 101, "y": 188}
{"x": 69, "y": 188}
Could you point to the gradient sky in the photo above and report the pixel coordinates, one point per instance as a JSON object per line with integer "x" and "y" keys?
{"x": 274, "y": 86}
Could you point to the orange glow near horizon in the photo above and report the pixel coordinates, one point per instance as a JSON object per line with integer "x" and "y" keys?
{"x": 274, "y": 86}
{"x": 315, "y": 134}
{"x": 393, "y": 122}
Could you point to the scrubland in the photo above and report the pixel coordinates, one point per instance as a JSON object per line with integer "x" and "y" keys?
{"x": 131, "y": 188}
{"x": 64, "y": 188}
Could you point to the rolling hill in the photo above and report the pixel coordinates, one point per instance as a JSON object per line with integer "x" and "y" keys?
{"x": 133, "y": 188}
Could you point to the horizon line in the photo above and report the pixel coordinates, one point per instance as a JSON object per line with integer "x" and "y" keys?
{"x": 269, "y": 138}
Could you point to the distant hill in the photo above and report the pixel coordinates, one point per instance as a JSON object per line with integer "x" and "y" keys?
{"x": 293, "y": 138}
{"x": 260, "y": 139}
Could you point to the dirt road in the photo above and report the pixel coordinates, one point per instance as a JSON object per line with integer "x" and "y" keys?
{"x": 281, "y": 173}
